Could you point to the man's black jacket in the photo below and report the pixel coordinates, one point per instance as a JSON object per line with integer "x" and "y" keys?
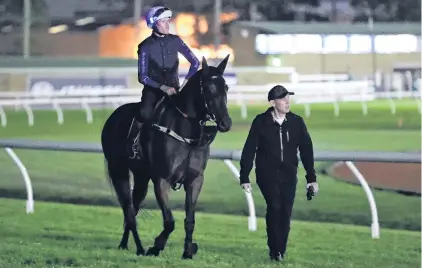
{"x": 273, "y": 161}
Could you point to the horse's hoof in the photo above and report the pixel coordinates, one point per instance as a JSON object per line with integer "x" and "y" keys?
{"x": 190, "y": 251}
{"x": 153, "y": 251}
{"x": 194, "y": 248}
{"x": 186, "y": 255}
{"x": 123, "y": 247}
{"x": 140, "y": 252}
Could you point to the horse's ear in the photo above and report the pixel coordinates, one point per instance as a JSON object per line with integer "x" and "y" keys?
{"x": 205, "y": 67}
{"x": 222, "y": 66}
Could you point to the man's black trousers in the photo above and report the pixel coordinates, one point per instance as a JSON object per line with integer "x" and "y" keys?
{"x": 150, "y": 98}
{"x": 279, "y": 194}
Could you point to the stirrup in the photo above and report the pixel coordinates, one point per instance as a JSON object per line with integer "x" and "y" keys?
{"x": 176, "y": 186}
{"x": 132, "y": 125}
{"x": 135, "y": 147}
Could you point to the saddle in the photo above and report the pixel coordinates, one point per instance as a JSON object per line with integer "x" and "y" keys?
{"x": 207, "y": 133}
{"x": 134, "y": 146}
{"x": 206, "y": 137}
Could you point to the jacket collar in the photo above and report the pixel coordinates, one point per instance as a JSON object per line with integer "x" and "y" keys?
{"x": 156, "y": 37}
{"x": 269, "y": 119}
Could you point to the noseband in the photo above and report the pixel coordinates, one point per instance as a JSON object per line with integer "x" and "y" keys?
{"x": 207, "y": 133}
{"x": 206, "y": 136}
{"x": 209, "y": 116}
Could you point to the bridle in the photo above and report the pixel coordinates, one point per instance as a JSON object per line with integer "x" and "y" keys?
{"x": 209, "y": 116}
{"x": 207, "y": 133}
{"x": 211, "y": 130}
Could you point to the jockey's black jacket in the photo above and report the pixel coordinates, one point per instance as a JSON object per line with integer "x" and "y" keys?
{"x": 275, "y": 148}
{"x": 158, "y": 61}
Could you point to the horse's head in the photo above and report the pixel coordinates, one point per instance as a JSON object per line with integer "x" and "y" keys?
{"x": 214, "y": 91}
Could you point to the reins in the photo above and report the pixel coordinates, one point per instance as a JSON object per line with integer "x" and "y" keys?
{"x": 208, "y": 117}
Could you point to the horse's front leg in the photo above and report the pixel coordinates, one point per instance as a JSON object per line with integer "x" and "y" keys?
{"x": 162, "y": 191}
{"x": 193, "y": 189}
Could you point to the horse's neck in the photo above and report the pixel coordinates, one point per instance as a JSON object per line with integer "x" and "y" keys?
{"x": 186, "y": 101}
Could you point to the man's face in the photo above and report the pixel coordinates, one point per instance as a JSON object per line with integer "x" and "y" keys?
{"x": 163, "y": 26}
{"x": 282, "y": 105}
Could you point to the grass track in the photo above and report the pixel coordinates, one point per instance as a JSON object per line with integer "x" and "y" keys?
{"x": 79, "y": 178}
{"x": 60, "y": 235}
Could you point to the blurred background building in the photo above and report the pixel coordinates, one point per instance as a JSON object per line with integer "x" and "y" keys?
{"x": 361, "y": 38}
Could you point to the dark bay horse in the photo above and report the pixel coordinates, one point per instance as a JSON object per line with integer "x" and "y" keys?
{"x": 174, "y": 151}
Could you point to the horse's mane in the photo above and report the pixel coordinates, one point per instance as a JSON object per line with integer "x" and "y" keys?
{"x": 195, "y": 80}
{"x": 191, "y": 88}
{"x": 193, "y": 83}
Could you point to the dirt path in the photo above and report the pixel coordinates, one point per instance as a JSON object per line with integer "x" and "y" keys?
{"x": 395, "y": 176}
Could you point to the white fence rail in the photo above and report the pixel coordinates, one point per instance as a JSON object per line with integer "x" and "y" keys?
{"x": 227, "y": 157}
{"x": 306, "y": 93}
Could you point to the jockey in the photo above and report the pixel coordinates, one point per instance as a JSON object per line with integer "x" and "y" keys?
{"x": 158, "y": 64}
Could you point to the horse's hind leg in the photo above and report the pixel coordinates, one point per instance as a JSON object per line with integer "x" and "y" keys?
{"x": 162, "y": 191}
{"x": 139, "y": 193}
{"x": 193, "y": 189}
{"x": 119, "y": 172}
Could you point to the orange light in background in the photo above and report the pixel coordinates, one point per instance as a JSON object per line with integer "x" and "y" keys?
{"x": 209, "y": 53}
{"x": 123, "y": 40}
{"x": 144, "y": 31}
{"x": 113, "y": 41}
{"x": 224, "y": 50}
{"x": 202, "y": 25}
{"x": 228, "y": 17}
{"x": 139, "y": 36}
{"x": 191, "y": 41}
{"x": 185, "y": 24}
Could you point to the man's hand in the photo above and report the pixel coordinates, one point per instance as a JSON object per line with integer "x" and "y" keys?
{"x": 168, "y": 90}
{"x": 171, "y": 91}
{"x": 247, "y": 187}
{"x": 314, "y": 185}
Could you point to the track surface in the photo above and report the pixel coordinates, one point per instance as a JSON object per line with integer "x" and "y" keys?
{"x": 392, "y": 176}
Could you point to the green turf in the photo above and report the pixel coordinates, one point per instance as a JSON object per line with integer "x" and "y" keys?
{"x": 79, "y": 178}
{"x": 322, "y": 116}
{"x": 351, "y": 116}
{"x": 81, "y": 236}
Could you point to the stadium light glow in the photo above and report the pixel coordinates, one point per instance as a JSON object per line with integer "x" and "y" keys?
{"x": 58, "y": 29}
{"x": 85, "y": 21}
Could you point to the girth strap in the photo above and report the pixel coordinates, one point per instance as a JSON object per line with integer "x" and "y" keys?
{"x": 205, "y": 137}
{"x": 173, "y": 134}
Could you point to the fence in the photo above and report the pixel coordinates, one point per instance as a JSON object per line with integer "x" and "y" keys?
{"x": 227, "y": 156}
{"x": 306, "y": 93}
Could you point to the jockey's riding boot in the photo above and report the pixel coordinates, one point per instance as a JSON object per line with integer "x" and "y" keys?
{"x": 133, "y": 138}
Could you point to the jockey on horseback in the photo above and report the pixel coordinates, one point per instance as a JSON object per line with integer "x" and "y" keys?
{"x": 158, "y": 64}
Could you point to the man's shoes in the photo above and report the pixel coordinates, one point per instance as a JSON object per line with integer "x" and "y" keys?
{"x": 276, "y": 256}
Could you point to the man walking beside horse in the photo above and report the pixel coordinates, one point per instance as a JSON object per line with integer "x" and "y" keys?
{"x": 275, "y": 136}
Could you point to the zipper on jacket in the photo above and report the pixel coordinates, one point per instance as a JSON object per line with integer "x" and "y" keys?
{"x": 281, "y": 142}
{"x": 162, "y": 58}
{"x": 287, "y": 132}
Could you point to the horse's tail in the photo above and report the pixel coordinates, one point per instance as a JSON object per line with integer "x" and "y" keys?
{"x": 113, "y": 140}
{"x": 108, "y": 177}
